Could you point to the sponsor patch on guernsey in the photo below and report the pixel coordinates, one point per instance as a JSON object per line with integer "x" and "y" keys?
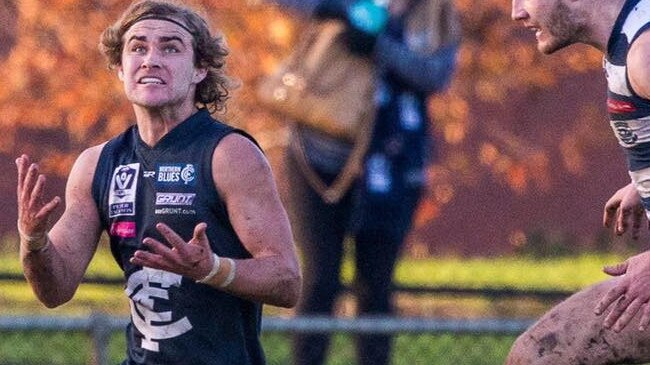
{"x": 176, "y": 174}
{"x": 620, "y": 106}
{"x": 175, "y": 198}
{"x": 123, "y": 229}
{"x": 122, "y": 192}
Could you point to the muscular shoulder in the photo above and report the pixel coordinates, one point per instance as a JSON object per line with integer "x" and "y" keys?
{"x": 638, "y": 65}
{"x": 237, "y": 162}
{"x": 84, "y": 167}
{"x": 91, "y": 154}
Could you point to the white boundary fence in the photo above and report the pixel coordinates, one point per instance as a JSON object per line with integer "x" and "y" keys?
{"x": 100, "y": 326}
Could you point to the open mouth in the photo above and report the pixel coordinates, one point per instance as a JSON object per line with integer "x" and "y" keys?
{"x": 535, "y": 30}
{"x": 148, "y": 80}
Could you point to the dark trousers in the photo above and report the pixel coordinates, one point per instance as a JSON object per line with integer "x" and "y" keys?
{"x": 320, "y": 230}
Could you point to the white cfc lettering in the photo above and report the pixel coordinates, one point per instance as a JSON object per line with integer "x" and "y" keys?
{"x": 153, "y": 325}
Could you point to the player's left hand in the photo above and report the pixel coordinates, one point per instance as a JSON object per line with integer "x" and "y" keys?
{"x": 630, "y": 295}
{"x": 193, "y": 259}
{"x": 624, "y": 210}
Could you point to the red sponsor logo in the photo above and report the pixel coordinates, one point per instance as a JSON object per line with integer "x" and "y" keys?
{"x": 123, "y": 229}
{"x": 619, "y": 106}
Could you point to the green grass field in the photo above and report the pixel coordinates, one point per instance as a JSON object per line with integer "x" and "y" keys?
{"x": 74, "y": 348}
{"x": 570, "y": 273}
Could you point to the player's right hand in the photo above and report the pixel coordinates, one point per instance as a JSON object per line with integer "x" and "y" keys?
{"x": 623, "y": 210}
{"x": 630, "y": 295}
{"x": 33, "y": 211}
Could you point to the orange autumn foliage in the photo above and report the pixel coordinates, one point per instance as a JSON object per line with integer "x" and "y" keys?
{"x": 56, "y": 83}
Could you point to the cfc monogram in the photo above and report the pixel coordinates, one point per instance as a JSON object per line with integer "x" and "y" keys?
{"x": 154, "y": 325}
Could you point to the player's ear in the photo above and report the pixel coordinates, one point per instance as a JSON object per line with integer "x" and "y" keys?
{"x": 120, "y": 73}
{"x": 199, "y": 74}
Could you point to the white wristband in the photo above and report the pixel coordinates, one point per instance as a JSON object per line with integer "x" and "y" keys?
{"x": 215, "y": 269}
{"x": 33, "y": 239}
{"x": 231, "y": 274}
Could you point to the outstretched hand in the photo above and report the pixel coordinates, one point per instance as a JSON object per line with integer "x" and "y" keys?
{"x": 630, "y": 295}
{"x": 623, "y": 210}
{"x": 193, "y": 259}
{"x": 33, "y": 211}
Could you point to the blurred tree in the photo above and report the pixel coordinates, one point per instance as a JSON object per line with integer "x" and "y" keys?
{"x": 8, "y": 31}
{"x": 56, "y": 87}
{"x": 56, "y": 81}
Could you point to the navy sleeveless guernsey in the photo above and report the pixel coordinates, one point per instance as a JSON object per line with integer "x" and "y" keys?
{"x": 173, "y": 319}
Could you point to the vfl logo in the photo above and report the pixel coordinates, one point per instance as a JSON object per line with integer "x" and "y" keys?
{"x": 625, "y": 133}
{"x": 154, "y": 325}
{"x": 123, "y": 179}
{"x": 122, "y": 192}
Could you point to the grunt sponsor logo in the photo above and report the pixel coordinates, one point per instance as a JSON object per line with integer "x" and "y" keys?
{"x": 175, "y": 198}
{"x": 149, "y": 174}
{"x": 123, "y": 229}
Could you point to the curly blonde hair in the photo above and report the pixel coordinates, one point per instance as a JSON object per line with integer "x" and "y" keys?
{"x": 209, "y": 51}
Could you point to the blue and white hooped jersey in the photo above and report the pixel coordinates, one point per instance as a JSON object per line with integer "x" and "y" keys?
{"x": 628, "y": 112}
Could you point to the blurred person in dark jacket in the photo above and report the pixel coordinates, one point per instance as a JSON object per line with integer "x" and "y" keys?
{"x": 413, "y": 51}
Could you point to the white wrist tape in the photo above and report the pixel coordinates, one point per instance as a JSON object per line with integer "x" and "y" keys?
{"x": 641, "y": 180}
{"x": 231, "y": 274}
{"x": 215, "y": 269}
{"x": 34, "y": 239}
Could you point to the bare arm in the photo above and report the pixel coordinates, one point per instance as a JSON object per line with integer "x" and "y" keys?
{"x": 244, "y": 180}
{"x": 631, "y": 294}
{"x": 55, "y": 268}
{"x": 638, "y": 65}
{"x": 258, "y": 217}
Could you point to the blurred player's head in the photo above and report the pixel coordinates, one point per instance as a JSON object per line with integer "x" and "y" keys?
{"x": 209, "y": 51}
{"x": 556, "y": 23}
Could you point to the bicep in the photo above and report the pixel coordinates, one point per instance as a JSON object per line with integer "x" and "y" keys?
{"x": 76, "y": 233}
{"x": 244, "y": 179}
{"x": 638, "y": 65}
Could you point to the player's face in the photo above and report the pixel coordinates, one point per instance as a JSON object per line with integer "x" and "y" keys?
{"x": 552, "y": 21}
{"x": 157, "y": 68}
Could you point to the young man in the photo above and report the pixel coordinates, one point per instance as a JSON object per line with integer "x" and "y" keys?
{"x": 573, "y": 332}
{"x": 189, "y": 204}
